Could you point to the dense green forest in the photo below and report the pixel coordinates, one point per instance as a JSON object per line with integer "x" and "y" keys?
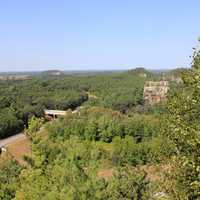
{"x": 109, "y": 148}
{"x": 20, "y": 100}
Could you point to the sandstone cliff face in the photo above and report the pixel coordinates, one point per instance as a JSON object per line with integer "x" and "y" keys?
{"x": 155, "y": 91}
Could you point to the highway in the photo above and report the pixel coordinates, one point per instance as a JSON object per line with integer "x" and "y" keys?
{"x": 11, "y": 139}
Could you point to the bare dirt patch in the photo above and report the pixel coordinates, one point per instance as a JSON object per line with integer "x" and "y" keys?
{"x": 155, "y": 172}
{"x": 20, "y": 148}
{"x": 105, "y": 173}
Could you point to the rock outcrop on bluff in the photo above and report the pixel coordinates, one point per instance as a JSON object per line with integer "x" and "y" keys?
{"x": 155, "y": 91}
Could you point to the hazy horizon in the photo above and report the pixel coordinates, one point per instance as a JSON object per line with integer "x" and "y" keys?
{"x": 92, "y": 70}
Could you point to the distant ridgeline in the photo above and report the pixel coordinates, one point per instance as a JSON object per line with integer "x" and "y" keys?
{"x": 53, "y": 72}
{"x": 141, "y": 72}
{"x": 175, "y": 74}
{"x": 155, "y": 91}
{"x": 14, "y": 77}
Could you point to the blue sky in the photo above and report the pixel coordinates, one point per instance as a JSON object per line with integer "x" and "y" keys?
{"x": 97, "y": 34}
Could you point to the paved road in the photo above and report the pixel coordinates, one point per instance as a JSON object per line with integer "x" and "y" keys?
{"x": 12, "y": 139}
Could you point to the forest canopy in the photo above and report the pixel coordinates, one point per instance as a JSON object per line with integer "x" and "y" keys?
{"x": 20, "y": 100}
{"x": 114, "y": 147}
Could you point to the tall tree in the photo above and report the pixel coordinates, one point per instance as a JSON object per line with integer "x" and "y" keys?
{"x": 184, "y": 132}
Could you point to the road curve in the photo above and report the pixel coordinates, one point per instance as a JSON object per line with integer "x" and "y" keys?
{"x": 11, "y": 139}
{"x": 20, "y": 136}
